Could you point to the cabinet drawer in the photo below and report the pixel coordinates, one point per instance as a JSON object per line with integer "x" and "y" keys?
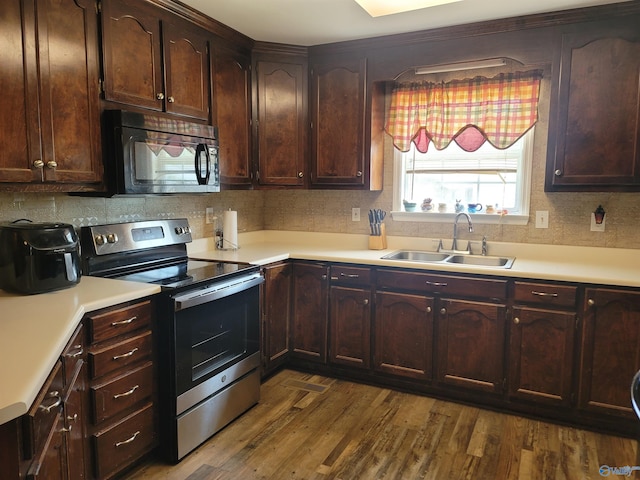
{"x": 115, "y": 396}
{"x": 488, "y": 289}
{"x": 122, "y": 443}
{"x": 545, "y": 294}
{"x": 108, "y": 324}
{"x": 72, "y": 354}
{"x": 43, "y": 413}
{"x": 114, "y": 356}
{"x": 351, "y": 275}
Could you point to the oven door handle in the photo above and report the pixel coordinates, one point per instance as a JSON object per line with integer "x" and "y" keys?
{"x": 216, "y": 292}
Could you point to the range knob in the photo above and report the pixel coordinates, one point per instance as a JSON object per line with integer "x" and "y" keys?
{"x": 179, "y": 230}
{"x": 100, "y": 239}
{"x": 112, "y": 238}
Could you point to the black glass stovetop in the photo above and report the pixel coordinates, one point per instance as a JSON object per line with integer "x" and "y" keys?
{"x": 191, "y": 272}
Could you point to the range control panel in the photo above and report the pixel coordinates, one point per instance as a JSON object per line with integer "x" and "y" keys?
{"x": 125, "y": 237}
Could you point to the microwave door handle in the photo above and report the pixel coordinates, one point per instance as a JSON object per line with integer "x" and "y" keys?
{"x": 199, "y": 150}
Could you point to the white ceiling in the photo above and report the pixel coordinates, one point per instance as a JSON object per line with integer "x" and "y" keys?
{"x": 315, "y": 22}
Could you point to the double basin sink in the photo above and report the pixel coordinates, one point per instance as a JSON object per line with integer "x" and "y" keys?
{"x": 439, "y": 257}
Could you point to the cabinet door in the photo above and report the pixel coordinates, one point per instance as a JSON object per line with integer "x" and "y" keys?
{"x": 350, "y": 326}
{"x": 281, "y": 123}
{"x": 186, "y": 64}
{"x": 404, "y": 335}
{"x": 277, "y": 314}
{"x": 310, "y": 311}
{"x": 231, "y": 90}
{"x": 594, "y": 134}
{"x": 52, "y": 462}
{"x": 338, "y": 117}
{"x": 541, "y": 355}
{"x": 20, "y": 105}
{"x": 74, "y": 424}
{"x": 610, "y": 351}
{"x": 471, "y": 343}
{"x": 69, "y": 98}
{"x": 132, "y": 56}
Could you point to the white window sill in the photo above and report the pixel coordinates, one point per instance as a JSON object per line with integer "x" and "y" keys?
{"x": 477, "y": 218}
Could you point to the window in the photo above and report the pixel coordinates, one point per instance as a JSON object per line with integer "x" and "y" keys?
{"x": 489, "y": 176}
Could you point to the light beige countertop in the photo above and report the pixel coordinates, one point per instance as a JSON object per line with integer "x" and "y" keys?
{"x": 607, "y": 266}
{"x": 34, "y": 329}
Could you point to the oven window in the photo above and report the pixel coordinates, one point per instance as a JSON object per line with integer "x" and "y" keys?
{"x": 212, "y": 336}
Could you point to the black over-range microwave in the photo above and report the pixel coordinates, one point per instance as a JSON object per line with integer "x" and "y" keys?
{"x": 149, "y": 154}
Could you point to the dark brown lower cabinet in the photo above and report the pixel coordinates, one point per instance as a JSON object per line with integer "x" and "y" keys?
{"x": 610, "y": 351}
{"x": 276, "y": 315}
{"x": 350, "y": 326}
{"x": 541, "y": 347}
{"x": 404, "y": 335}
{"x": 470, "y": 345}
{"x": 310, "y": 311}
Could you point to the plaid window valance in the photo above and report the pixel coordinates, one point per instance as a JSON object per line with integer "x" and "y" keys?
{"x": 471, "y": 111}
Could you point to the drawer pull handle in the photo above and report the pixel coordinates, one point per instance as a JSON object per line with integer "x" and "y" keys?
{"x": 350, "y": 275}
{"x": 125, "y": 355}
{"x": 436, "y": 284}
{"x": 127, "y": 393}
{"x": 543, "y": 294}
{"x": 77, "y": 354}
{"x": 128, "y": 440}
{"x": 55, "y": 404}
{"x": 124, "y": 322}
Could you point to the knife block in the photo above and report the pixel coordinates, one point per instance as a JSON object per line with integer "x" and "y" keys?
{"x": 378, "y": 242}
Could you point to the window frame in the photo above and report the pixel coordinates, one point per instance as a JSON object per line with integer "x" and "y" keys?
{"x": 524, "y": 183}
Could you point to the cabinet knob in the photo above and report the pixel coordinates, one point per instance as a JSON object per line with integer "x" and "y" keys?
{"x": 160, "y": 96}
{"x": 366, "y": 301}
{"x": 171, "y": 99}
{"x": 38, "y": 163}
{"x": 558, "y": 173}
{"x": 324, "y": 277}
{"x": 52, "y": 164}
{"x": 443, "y": 311}
{"x": 516, "y": 320}
{"x": 300, "y": 174}
{"x": 358, "y": 173}
{"x": 428, "y": 309}
{"x": 591, "y": 302}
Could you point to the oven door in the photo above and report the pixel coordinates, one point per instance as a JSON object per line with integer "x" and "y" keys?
{"x": 216, "y": 337}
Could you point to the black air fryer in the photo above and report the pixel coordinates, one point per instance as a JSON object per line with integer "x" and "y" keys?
{"x": 38, "y": 257}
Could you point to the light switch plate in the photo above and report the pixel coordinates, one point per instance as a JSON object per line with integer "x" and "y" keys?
{"x": 355, "y": 214}
{"x": 209, "y": 215}
{"x": 542, "y": 219}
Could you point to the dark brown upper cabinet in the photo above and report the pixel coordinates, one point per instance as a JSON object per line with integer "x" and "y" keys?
{"x": 338, "y": 112}
{"x": 232, "y": 94}
{"x": 51, "y": 117}
{"x": 281, "y": 111}
{"x": 594, "y": 124}
{"x": 153, "y": 62}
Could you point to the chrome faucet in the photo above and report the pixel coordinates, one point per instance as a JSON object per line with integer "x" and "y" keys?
{"x": 454, "y": 245}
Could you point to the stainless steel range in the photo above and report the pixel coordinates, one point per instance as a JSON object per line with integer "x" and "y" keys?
{"x": 207, "y": 331}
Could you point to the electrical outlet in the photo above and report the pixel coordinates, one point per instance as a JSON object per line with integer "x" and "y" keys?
{"x": 209, "y": 217}
{"x": 355, "y": 214}
{"x": 542, "y": 219}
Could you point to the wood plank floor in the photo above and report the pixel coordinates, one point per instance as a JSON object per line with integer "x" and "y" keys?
{"x": 353, "y": 431}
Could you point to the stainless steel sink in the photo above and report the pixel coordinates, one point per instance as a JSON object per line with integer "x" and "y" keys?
{"x": 416, "y": 256}
{"x": 482, "y": 260}
{"x": 439, "y": 257}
